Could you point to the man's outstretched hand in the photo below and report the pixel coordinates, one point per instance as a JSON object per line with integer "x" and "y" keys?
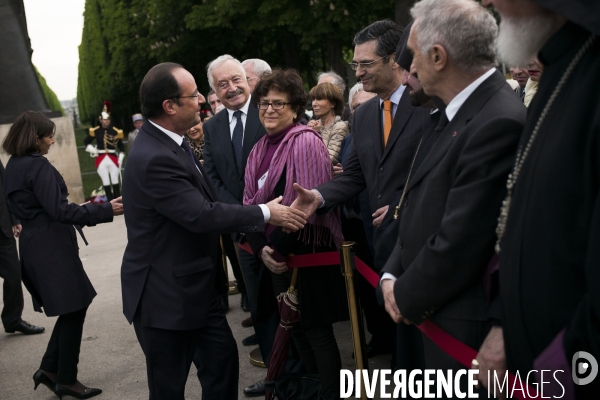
{"x": 287, "y": 217}
{"x": 307, "y": 201}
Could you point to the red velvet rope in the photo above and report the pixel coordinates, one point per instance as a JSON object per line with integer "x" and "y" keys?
{"x": 448, "y": 343}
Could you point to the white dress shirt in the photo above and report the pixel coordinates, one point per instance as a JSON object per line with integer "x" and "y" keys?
{"x": 460, "y": 98}
{"x": 233, "y": 120}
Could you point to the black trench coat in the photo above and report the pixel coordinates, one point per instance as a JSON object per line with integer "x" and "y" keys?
{"x": 50, "y": 264}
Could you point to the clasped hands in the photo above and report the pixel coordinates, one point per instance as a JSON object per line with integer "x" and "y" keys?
{"x": 274, "y": 266}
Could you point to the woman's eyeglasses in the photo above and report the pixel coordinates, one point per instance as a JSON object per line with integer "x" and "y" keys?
{"x": 277, "y": 105}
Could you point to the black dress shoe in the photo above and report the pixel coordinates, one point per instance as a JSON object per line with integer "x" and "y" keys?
{"x": 86, "y": 394}
{"x": 247, "y": 323}
{"x": 40, "y": 377}
{"x": 244, "y": 303}
{"x": 255, "y": 390}
{"x": 250, "y": 340}
{"x": 24, "y": 327}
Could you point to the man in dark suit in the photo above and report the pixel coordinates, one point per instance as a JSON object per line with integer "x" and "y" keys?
{"x": 224, "y": 149}
{"x": 228, "y": 139}
{"x": 450, "y": 209}
{"x": 171, "y": 270}
{"x": 386, "y": 131}
{"x": 10, "y": 270}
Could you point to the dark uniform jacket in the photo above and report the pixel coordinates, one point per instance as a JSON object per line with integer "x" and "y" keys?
{"x": 113, "y": 140}
{"x": 51, "y": 268}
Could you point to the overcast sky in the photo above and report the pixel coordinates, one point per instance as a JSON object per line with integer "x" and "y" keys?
{"x": 55, "y": 31}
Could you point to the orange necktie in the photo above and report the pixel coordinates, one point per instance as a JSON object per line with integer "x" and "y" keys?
{"x": 387, "y": 120}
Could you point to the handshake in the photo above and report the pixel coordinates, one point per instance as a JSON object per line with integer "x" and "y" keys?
{"x": 294, "y": 217}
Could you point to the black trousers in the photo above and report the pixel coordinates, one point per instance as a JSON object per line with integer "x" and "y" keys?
{"x": 169, "y": 355}
{"x": 10, "y": 271}
{"x": 62, "y": 353}
{"x": 316, "y": 345}
{"x": 265, "y": 331}
{"x": 231, "y": 253}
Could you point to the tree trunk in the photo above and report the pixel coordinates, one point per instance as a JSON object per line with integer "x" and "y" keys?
{"x": 403, "y": 12}
{"x": 335, "y": 61}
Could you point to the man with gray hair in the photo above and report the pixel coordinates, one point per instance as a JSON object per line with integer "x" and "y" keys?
{"x": 228, "y": 139}
{"x": 255, "y": 68}
{"x": 449, "y": 210}
{"x": 332, "y": 77}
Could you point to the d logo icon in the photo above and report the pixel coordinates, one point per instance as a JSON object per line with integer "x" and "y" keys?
{"x": 579, "y": 367}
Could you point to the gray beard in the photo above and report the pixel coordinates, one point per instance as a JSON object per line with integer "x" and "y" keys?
{"x": 520, "y": 39}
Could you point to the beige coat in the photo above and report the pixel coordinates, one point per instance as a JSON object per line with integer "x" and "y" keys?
{"x": 333, "y": 137}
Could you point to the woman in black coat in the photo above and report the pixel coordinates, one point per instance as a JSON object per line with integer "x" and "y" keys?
{"x": 51, "y": 268}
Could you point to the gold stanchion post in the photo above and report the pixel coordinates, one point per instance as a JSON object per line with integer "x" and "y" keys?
{"x": 356, "y": 315}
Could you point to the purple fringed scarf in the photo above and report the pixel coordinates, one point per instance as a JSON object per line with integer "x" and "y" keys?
{"x": 307, "y": 163}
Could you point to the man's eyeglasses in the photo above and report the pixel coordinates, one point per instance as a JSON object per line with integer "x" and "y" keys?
{"x": 277, "y": 105}
{"x": 189, "y": 97}
{"x": 364, "y": 65}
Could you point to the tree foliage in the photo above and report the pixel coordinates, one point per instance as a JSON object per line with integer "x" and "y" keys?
{"x": 49, "y": 94}
{"x": 123, "y": 39}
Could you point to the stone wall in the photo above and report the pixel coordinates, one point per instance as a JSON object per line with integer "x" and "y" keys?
{"x": 63, "y": 155}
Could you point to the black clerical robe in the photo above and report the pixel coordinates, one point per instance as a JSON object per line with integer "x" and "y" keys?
{"x": 550, "y": 258}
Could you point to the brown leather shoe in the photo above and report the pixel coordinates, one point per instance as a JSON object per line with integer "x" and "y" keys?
{"x": 247, "y": 323}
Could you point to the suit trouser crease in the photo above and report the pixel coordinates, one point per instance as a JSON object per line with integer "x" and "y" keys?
{"x": 232, "y": 254}
{"x": 12, "y": 290}
{"x": 169, "y": 355}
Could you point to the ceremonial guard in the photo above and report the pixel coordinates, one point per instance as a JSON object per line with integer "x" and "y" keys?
{"x": 108, "y": 139}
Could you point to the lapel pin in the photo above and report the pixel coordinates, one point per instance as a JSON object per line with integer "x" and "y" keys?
{"x": 453, "y": 133}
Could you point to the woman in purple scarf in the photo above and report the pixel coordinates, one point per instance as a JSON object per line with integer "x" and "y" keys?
{"x": 291, "y": 152}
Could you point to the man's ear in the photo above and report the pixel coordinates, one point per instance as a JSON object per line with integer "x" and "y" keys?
{"x": 169, "y": 107}
{"x": 394, "y": 64}
{"x": 439, "y": 57}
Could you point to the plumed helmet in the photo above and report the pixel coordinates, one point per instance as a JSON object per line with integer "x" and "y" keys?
{"x": 105, "y": 114}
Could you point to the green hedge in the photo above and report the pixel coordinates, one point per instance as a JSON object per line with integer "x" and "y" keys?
{"x": 49, "y": 94}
